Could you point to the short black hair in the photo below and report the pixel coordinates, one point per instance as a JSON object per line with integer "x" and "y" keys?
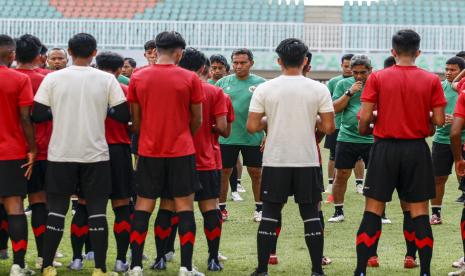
{"x": 461, "y": 54}
{"x": 242, "y": 51}
{"x": 219, "y": 59}
{"x": 292, "y": 52}
{"x": 170, "y": 40}
{"x": 309, "y": 60}
{"x": 150, "y": 45}
{"x": 110, "y": 61}
{"x": 390, "y": 61}
{"x": 192, "y": 59}
{"x": 131, "y": 62}
{"x": 27, "y": 48}
{"x": 43, "y": 50}
{"x": 457, "y": 60}
{"x": 346, "y": 57}
{"x": 7, "y": 41}
{"x": 82, "y": 45}
{"x": 406, "y": 42}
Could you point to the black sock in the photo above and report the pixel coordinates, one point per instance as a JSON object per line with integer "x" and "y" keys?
{"x": 122, "y": 230}
{"x": 409, "y": 235}
{"x": 322, "y": 219}
{"x": 74, "y": 203}
{"x": 174, "y": 232}
{"x": 258, "y": 206}
{"x": 266, "y": 234}
{"x": 139, "y": 227}
{"x": 17, "y": 227}
{"x": 98, "y": 234}
{"x": 424, "y": 241}
{"x": 38, "y": 222}
{"x": 187, "y": 231}
{"x": 436, "y": 210}
{"x": 367, "y": 238}
{"x": 462, "y": 229}
{"x": 313, "y": 234}
{"x": 79, "y": 230}
{"x": 233, "y": 180}
{"x": 162, "y": 229}
{"x": 359, "y": 181}
{"x": 212, "y": 229}
{"x": 330, "y": 181}
{"x": 222, "y": 206}
{"x": 339, "y": 209}
{"x": 278, "y": 231}
{"x": 3, "y": 228}
{"x": 52, "y": 237}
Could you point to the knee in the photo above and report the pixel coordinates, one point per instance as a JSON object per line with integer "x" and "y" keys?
{"x": 342, "y": 175}
{"x": 255, "y": 173}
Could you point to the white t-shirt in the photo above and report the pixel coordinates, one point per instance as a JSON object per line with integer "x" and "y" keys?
{"x": 291, "y": 105}
{"x": 79, "y": 98}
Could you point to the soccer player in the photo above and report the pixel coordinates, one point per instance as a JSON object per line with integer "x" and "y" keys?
{"x": 443, "y": 158}
{"x": 400, "y": 158}
{"x": 57, "y": 59}
{"x": 128, "y": 67}
{"x": 350, "y": 144}
{"x": 170, "y": 98}
{"x": 219, "y": 68}
{"x": 240, "y": 87}
{"x": 389, "y": 61}
{"x": 331, "y": 140}
{"x": 117, "y": 136}
{"x": 91, "y": 93}
{"x": 27, "y": 57}
{"x": 150, "y": 48}
{"x": 42, "y": 64}
{"x": 279, "y": 105}
{"x": 16, "y": 160}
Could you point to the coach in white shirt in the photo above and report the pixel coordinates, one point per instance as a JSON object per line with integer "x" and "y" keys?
{"x": 291, "y": 108}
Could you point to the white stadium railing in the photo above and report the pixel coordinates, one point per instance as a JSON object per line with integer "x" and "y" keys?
{"x": 131, "y": 34}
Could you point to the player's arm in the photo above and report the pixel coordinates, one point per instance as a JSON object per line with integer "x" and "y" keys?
{"x": 457, "y": 79}
{"x": 344, "y": 96}
{"x": 41, "y": 113}
{"x": 196, "y": 117}
{"x": 319, "y": 136}
{"x": 366, "y": 118}
{"x": 28, "y": 129}
{"x": 456, "y": 144}
{"x": 439, "y": 116}
{"x": 136, "y": 117}
{"x": 256, "y": 122}
{"x": 120, "y": 112}
{"x": 221, "y": 126}
{"x": 325, "y": 123}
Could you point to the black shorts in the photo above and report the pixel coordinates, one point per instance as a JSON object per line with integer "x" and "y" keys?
{"x": 166, "y": 177}
{"x": 404, "y": 165}
{"x": 210, "y": 185}
{"x": 443, "y": 159}
{"x": 37, "y": 181}
{"x": 88, "y": 180}
{"x": 252, "y": 156}
{"x": 12, "y": 180}
{"x": 121, "y": 171}
{"x": 330, "y": 143}
{"x": 304, "y": 183}
{"x": 347, "y": 154}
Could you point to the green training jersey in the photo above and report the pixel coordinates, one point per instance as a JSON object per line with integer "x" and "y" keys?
{"x": 124, "y": 80}
{"x": 331, "y": 86}
{"x": 349, "y": 122}
{"x": 211, "y": 81}
{"x": 241, "y": 92}
{"x": 442, "y": 133}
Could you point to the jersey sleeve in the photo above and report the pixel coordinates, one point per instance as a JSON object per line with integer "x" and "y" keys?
{"x": 326, "y": 103}
{"x": 371, "y": 90}
{"x": 257, "y": 104}
{"x": 339, "y": 91}
{"x": 331, "y": 85}
{"x": 437, "y": 95}
{"x": 26, "y": 95}
{"x": 460, "y": 106}
{"x": 115, "y": 93}
{"x": 132, "y": 94}
{"x": 219, "y": 107}
{"x": 44, "y": 93}
{"x": 460, "y": 85}
{"x": 197, "y": 93}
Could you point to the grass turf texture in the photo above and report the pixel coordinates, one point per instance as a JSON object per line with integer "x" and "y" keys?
{"x": 239, "y": 240}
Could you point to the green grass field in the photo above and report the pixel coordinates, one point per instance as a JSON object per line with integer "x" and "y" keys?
{"x": 239, "y": 240}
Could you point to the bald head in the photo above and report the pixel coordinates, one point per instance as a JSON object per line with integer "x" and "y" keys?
{"x": 7, "y": 50}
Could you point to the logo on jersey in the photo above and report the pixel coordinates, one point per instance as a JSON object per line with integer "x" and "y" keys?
{"x": 252, "y": 89}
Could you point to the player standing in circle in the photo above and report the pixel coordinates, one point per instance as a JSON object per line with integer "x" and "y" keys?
{"x": 400, "y": 158}
{"x": 240, "y": 87}
{"x": 291, "y": 107}
{"x": 93, "y": 94}
{"x": 57, "y": 59}
{"x": 128, "y": 67}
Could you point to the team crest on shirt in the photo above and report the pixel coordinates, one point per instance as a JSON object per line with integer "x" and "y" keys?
{"x": 252, "y": 89}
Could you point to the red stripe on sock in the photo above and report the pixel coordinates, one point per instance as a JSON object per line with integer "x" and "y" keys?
{"x": 424, "y": 242}
{"x": 211, "y": 235}
{"x": 188, "y": 237}
{"x": 278, "y": 231}
{"x": 79, "y": 231}
{"x": 367, "y": 240}
{"x": 462, "y": 229}
{"x": 409, "y": 236}
{"x": 122, "y": 226}
{"x": 137, "y": 237}
{"x": 161, "y": 233}
{"x": 174, "y": 220}
{"x": 38, "y": 230}
{"x": 17, "y": 246}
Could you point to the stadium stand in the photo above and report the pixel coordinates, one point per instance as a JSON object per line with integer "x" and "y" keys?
{"x": 28, "y": 9}
{"x": 404, "y": 12}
